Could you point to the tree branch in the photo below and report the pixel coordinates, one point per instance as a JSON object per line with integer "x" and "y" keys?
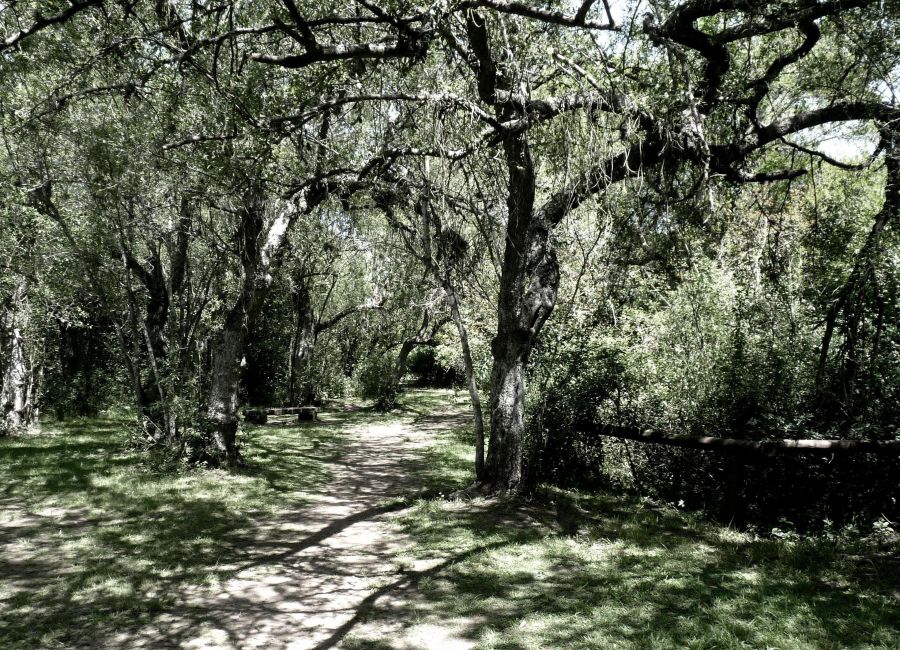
{"x": 544, "y": 15}
{"x": 761, "y": 86}
{"x": 825, "y": 157}
{"x": 41, "y": 22}
{"x": 399, "y": 49}
{"x": 348, "y": 311}
{"x": 837, "y": 112}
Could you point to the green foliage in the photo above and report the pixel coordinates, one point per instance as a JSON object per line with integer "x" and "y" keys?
{"x": 719, "y": 333}
{"x": 374, "y": 380}
{"x": 439, "y": 366}
{"x": 715, "y": 358}
{"x": 579, "y": 374}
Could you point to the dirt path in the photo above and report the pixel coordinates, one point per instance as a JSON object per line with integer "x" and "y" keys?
{"x": 312, "y": 583}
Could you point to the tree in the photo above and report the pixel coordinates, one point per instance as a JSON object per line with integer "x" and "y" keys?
{"x": 265, "y": 117}
{"x": 20, "y": 364}
{"x": 698, "y": 128}
{"x": 308, "y": 325}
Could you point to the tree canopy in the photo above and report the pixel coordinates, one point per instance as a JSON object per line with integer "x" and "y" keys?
{"x": 674, "y": 215}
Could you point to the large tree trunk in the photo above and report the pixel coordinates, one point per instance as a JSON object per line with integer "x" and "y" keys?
{"x": 529, "y": 278}
{"x": 529, "y": 281}
{"x": 522, "y": 312}
{"x": 222, "y": 397}
{"x": 503, "y": 469}
{"x": 18, "y": 379}
{"x": 301, "y": 390}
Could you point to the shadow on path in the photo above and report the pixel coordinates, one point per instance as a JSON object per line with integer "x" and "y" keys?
{"x": 310, "y": 576}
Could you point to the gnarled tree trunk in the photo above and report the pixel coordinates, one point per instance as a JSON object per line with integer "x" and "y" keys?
{"x": 226, "y": 353}
{"x": 529, "y": 278}
{"x": 522, "y": 313}
{"x": 261, "y": 239}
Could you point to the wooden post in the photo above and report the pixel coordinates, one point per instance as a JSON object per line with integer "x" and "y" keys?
{"x": 734, "y": 489}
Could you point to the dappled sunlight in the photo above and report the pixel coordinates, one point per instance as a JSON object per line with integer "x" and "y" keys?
{"x": 640, "y": 576}
{"x": 103, "y": 549}
{"x": 341, "y": 533}
{"x": 94, "y": 539}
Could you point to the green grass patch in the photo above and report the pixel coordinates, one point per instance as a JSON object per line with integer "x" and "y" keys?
{"x": 573, "y": 570}
{"x": 95, "y": 539}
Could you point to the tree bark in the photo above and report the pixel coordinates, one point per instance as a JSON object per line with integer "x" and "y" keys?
{"x": 471, "y": 383}
{"x": 18, "y": 379}
{"x": 222, "y": 397}
{"x": 503, "y": 469}
{"x": 303, "y": 343}
{"x": 528, "y": 290}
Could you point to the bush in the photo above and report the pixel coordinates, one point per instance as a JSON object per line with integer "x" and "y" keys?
{"x": 433, "y": 368}
{"x": 374, "y": 380}
{"x": 578, "y": 374}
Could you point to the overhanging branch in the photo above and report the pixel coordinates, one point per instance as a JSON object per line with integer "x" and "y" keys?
{"x": 41, "y": 22}
{"x": 552, "y": 16}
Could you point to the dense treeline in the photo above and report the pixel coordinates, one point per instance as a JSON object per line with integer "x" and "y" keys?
{"x": 605, "y": 213}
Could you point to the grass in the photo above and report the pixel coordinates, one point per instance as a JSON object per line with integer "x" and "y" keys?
{"x": 631, "y": 574}
{"x": 95, "y": 539}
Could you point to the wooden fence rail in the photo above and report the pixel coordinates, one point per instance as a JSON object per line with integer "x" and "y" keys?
{"x": 752, "y": 446}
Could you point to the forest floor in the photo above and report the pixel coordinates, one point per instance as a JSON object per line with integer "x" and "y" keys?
{"x": 338, "y": 534}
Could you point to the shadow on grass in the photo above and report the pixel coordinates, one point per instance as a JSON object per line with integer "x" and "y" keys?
{"x": 571, "y": 570}
{"x": 93, "y": 542}
{"x": 515, "y": 582}
{"x": 93, "y": 539}
{"x": 448, "y": 466}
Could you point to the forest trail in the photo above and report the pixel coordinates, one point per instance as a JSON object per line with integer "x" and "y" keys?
{"x": 318, "y": 571}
